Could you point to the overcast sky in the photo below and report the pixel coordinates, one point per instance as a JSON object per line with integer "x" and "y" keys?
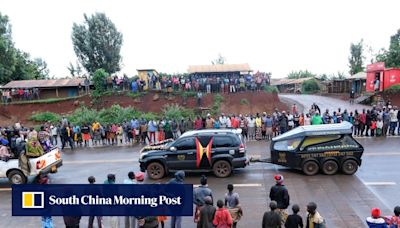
{"x": 273, "y": 36}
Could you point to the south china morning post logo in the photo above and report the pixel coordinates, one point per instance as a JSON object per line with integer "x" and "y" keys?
{"x": 102, "y": 200}
{"x": 33, "y": 200}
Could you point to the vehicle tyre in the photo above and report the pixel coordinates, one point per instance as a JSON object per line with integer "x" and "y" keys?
{"x": 222, "y": 168}
{"x": 155, "y": 170}
{"x": 310, "y": 168}
{"x": 330, "y": 167}
{"x": 349, "y": 167}
{"x": 16, "y": 177}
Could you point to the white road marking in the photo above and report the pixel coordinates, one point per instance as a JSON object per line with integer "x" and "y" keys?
{"x": 5, "y": 189}
{"x": 100, "y": 161}
{"x": 382, "y": 154}
{"x": 237, "y": 185}
{"x": 379, "y": 183}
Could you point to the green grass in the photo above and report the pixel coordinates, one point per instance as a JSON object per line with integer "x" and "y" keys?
{"x": 45, "y": 116}
{"x": 47, "y": 101}
{"x": 271, "y": 89}
{"x": 394, "y": 89}
{"x": 244, "y": 101}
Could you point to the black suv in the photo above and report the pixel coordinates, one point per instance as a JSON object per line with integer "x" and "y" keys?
{"x": 201, "y": 150}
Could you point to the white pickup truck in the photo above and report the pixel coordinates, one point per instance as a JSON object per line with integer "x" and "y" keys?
{"x": 14, "y": 171}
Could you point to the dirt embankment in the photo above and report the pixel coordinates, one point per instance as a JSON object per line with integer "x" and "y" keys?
{"x": 238, "y": 103}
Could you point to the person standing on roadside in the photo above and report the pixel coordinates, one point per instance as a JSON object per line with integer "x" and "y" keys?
{"x": 176, "y": 221}
{"x": 232, "y": 203}
{"x": 280, "y": 194}
{"x": 114, "y": 220}
{"x": 130, "y": 221}
{"x": 92, "y": 180}
{"x": 199, "y": 195}
{"x": 272, "y": 219}
{"x": 207, "y": 213}
{"x": 294, "y": 220}
{"x": 314, "y": 219}
{"x": 222, "y": 217}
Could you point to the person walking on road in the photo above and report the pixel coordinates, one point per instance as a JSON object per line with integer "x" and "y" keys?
{"x": 232, "y": 203}
{"x": 280, "y": 194}
{"x": 294, "y": 220}
{"x": 222, "y": 218}
{"x": 394, "y": 221}
{"x": 314, "y": 219}
{"x": 176, "y": 221}
{"x": 199, "y": 195}
{"x": 272, "y": 219}
{"x": 92, "y": 180}
{"x": 207, "y": 213}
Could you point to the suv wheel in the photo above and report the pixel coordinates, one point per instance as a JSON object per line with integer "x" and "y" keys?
{"x": 222, "y": 168}
{"x": 349, "y": 167}
{"x": 330, "y": 167}
{"x": 310, "y": 168}
{"x": 16, "y": 177}
{"x": 155, "y": 170}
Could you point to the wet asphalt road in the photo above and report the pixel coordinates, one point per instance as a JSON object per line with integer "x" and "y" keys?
{"x": 344, "y": 201}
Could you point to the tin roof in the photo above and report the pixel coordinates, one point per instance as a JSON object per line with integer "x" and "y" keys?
{"x": 53, "y": 83}
{"x": 359, "y": 75}
{"x": 217, "y": 68}
{"x": 286, "y": 81}
{"x": 316, "y": 130}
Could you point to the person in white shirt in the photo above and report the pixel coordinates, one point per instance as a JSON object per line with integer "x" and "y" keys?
{"x": 223, "y": 121}
{"x": 130, "y": 221}
{"x": 251, "y": 124}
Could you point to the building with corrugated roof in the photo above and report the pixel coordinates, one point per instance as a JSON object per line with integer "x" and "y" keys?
{"x": 54, "y": 88}
{"x": 219, "y": 70}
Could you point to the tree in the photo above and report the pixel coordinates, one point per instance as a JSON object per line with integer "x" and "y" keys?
{"x": 14, "y": 63}
{"x": 219, "y": 60}
{"x": 300, "y": 74}
{"x": 393, "y": 54}
{"x": 99, "y": 82}
{"x": 75, "y": 70}
{"x": 356, "y": 59}
{"x": 97, "y": 43}
{"x": 7, "y": 51}
{"x": 310, "y": 86}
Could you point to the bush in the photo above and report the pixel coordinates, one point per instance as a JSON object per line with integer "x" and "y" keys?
{"x": 310, "y": 86}
{"x": 83, "y": 115}
{"x": 46, "y": 116}
{"x": 271, "y": 89}
{"x": 244, "y": 101}
{"x": 394, "y": 89}
{"x": 215, "y": 109}
{"x": 189, "y": 94}
{"x": 175, "y": 111}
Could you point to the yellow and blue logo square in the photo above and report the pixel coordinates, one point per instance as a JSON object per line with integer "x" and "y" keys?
{"x": 32, "y": 200}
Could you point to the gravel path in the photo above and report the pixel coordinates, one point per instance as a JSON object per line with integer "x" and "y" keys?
{"x": 305, "y": 101}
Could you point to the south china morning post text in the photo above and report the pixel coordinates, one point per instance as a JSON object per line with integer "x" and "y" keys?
{"x": 104, "y": 200}
{"x": 116, "y": 200}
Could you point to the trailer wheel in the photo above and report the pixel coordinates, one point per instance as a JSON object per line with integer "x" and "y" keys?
{"x": 310, "y": 168}
{"x": 16, "y": 177}
{"x": 349, "y": 167}
{"x": 330, "y": 167}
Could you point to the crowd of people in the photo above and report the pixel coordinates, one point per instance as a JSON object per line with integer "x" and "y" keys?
{"x": 223, "y": 212}
{"x": 374, "y": 122}
{"x": 19, "y": 94}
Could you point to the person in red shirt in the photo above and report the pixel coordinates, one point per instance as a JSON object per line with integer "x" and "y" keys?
{"x": 198, "y": 123}
{"x": 234, "y": 122}
{"x": 222, "y": 217}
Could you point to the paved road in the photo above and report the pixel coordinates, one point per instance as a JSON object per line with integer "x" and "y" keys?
{"x": 323, "y": 102}
{"x": 344, "y": 201}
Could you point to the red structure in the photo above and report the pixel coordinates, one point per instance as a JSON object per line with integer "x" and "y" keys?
{"x": 379, "y": 78}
